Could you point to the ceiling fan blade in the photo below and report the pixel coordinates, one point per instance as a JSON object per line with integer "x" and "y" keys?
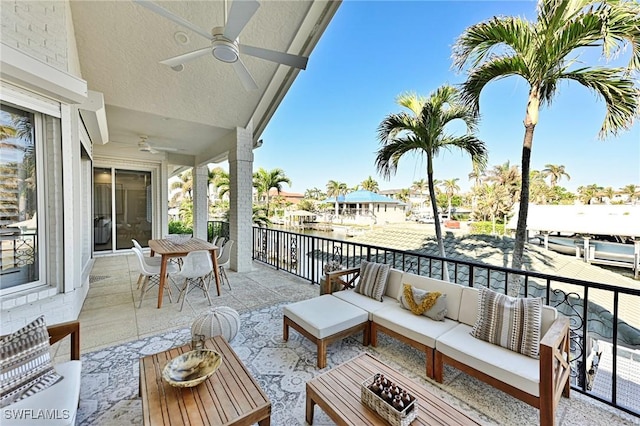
{"x": 240, "y": 13}
{"x": 274, "y": 56}
{"x": 186, "y": 57}
{"x": 245, "y": 77}
{"x": 173, "y": 17}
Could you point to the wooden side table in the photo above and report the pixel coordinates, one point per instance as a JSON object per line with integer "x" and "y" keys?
{"x": 231, "y": 396}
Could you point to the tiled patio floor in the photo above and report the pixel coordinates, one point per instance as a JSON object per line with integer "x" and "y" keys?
{"x": 110, "y": 315}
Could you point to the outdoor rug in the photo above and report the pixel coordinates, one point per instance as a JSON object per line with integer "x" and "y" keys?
{"x": 110, "y": 378}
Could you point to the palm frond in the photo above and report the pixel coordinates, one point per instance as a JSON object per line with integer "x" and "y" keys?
{"x": 479, "y": 41}
{"x": 497, "y": 69}
{"x": 622, "y": 98}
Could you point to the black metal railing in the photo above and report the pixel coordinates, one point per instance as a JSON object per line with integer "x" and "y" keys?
{"x": 603, "y": 317}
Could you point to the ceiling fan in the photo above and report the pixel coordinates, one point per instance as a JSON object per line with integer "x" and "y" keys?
{"x": 144, "y": 146}
{"x": 224, "y": 41}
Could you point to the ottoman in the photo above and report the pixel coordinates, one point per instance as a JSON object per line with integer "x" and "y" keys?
{"x": 323, "y": 320}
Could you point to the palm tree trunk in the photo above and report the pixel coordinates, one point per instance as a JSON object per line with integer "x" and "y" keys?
{"x": 523, "y": 211}
{"x": 432, "y": 192}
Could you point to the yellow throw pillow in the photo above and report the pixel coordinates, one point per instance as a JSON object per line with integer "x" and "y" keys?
{"x": 420, "y": 302}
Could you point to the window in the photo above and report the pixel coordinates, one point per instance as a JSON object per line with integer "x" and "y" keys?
{"x": 20, "y": 196}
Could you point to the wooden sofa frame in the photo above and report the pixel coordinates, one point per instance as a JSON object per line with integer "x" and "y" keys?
{"x": 554, "y": 358}
{"x": 60, "y": 331}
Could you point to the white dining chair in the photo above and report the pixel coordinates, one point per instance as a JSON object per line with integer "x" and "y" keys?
{"x": 196, "y": 268}
{"x": 151, "y": 275}
{"x": 151, "y": 261}
{"x": 225, "y": 260}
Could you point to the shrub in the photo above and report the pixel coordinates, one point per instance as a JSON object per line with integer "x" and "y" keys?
{"x": 177, "y": 227}
{"x": 485, "y": 228}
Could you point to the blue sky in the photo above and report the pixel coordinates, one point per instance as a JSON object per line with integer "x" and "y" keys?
{"x": 372, "y": 51}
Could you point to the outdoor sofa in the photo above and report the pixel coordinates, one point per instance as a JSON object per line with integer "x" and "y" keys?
{"x": 537, "y": 382}
{"x": 58, "y": 404}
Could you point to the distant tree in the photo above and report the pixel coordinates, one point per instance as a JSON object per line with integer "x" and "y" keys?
{"x": 545, "y": 53}
{"x": 451, "y": 188}
{"x": 403, "y": 195}
{"x": 314, "y": 194}
{"x": 264, "y": 180}
{"x": 219, "y": 180}
{"x": 185, "y": 184}
{"x": 508, "y": 176}
{"x": 420, "y": 186}
{"x": 335, "y": 189}
{"x": 631, "y": 191}
{"x": 369, "y": 184}
{"x": 588, "y": 193}
{"x": 609, "y": 192}
{"x": 307, "y": 205}
{"x": 541, "y": 193}
{"x": 423, "y": 132}
{"x": 554, "y": 173}
{"x": 493, "y": 201}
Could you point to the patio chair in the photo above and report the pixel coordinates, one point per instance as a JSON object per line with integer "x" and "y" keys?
{"x": 197, "y": 268}
{"x": 225, "y": 260}
{"x": 151, "y": 261}
{"x": 152, "y": 273}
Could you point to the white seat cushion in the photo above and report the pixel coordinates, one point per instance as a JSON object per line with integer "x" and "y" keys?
{"x": 416, "y": 327}
{"x": 363, "y": 302}
{"x": 56, "y": 405}
{"x": 520, "y": 371}
{"x": 325, "y": 316}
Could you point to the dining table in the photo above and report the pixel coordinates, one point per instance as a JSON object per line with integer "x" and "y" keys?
{"x": 169, "y": 249}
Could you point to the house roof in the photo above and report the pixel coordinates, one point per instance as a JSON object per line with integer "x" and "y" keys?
{"x": 622, "y": 220}
{"x": 362, "y": 196}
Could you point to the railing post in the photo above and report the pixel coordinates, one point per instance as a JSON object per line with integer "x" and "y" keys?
{"x": 277, "y": 250}
{"x": 313, "y": 261}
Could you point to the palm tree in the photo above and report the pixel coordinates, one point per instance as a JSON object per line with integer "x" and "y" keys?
{"x": 335, "y": 189}
{"x": 451, "y": 188}
{"x": 264, "y": 180}
{"x": 403, "y": 195}
{"x": 494, "y": 201}
{"x": 185, "y": 184}
{"x": 555, "y": 173}
{"x": 540, "y": 53}
{"x": 609, "y": 192}
{"x": 423, "y": 132}
{"x": 219, "y": 181}
{"x": 631, "y": 191}
{"x": 589, "y": 192}
{"x": 507, "y": 176}
{"x": 369, "y": 184}
{"x": 313, "y": 193}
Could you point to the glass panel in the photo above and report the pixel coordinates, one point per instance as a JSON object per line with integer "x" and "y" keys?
{"x": 19, "y": 262}
{"x": 102, "y": 209}
{"x": 133, "y": 208}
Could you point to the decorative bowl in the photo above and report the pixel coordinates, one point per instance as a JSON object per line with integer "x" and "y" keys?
{"x": 178, "y": 238}
{"x": 191, "y": 368}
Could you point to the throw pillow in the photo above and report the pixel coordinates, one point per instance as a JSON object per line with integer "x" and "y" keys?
{"x": 430, "y": 304}
{"x": 510, "y": 322}
{"x": 25, "y": 363}
{"x": 373, "y": 279}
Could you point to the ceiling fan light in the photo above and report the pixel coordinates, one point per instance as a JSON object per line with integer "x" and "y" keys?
{"x": 225, "y": 54}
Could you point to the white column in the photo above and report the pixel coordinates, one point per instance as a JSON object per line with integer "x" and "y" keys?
{"x": 200, "y": 201}
{"x": 240, "y": 203}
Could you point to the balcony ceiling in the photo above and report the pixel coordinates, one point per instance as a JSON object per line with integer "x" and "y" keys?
{"x": 120, "y": 44}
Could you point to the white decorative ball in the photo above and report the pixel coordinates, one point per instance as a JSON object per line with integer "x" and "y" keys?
{"x": 222, "y": 320}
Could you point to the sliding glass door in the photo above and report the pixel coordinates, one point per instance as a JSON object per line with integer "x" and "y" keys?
{"x": 122, "y": 208}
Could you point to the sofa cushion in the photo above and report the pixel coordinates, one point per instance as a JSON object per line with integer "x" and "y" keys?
{"x": 373, "y": 279}
{"x": 25, "y": 363}
{"x": 511, "y": 322}
{"x": 58, "y": 403}
{"x": 325, "y": 316}
{"x": 363, "y": 302}
{"x": 415, "y": 327}
{"x": 468, "y": 306}
{"x": 394, "y": 283}
{"x": 453, "y": 291}
{"x": 420, "y": 302}
{"x": 510, "y": 367}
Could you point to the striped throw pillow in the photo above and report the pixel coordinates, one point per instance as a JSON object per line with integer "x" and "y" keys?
{"x": 510, "y": 322}
{"x": 25, "y": 363}
{"x": 373, "y": 279}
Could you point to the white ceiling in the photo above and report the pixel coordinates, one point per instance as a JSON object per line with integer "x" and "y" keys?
{"x": 120, "y": 43}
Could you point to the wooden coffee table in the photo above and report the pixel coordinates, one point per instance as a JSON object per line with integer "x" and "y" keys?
{"x": 231, "y": 396}
{"x": 337, "y": 392}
